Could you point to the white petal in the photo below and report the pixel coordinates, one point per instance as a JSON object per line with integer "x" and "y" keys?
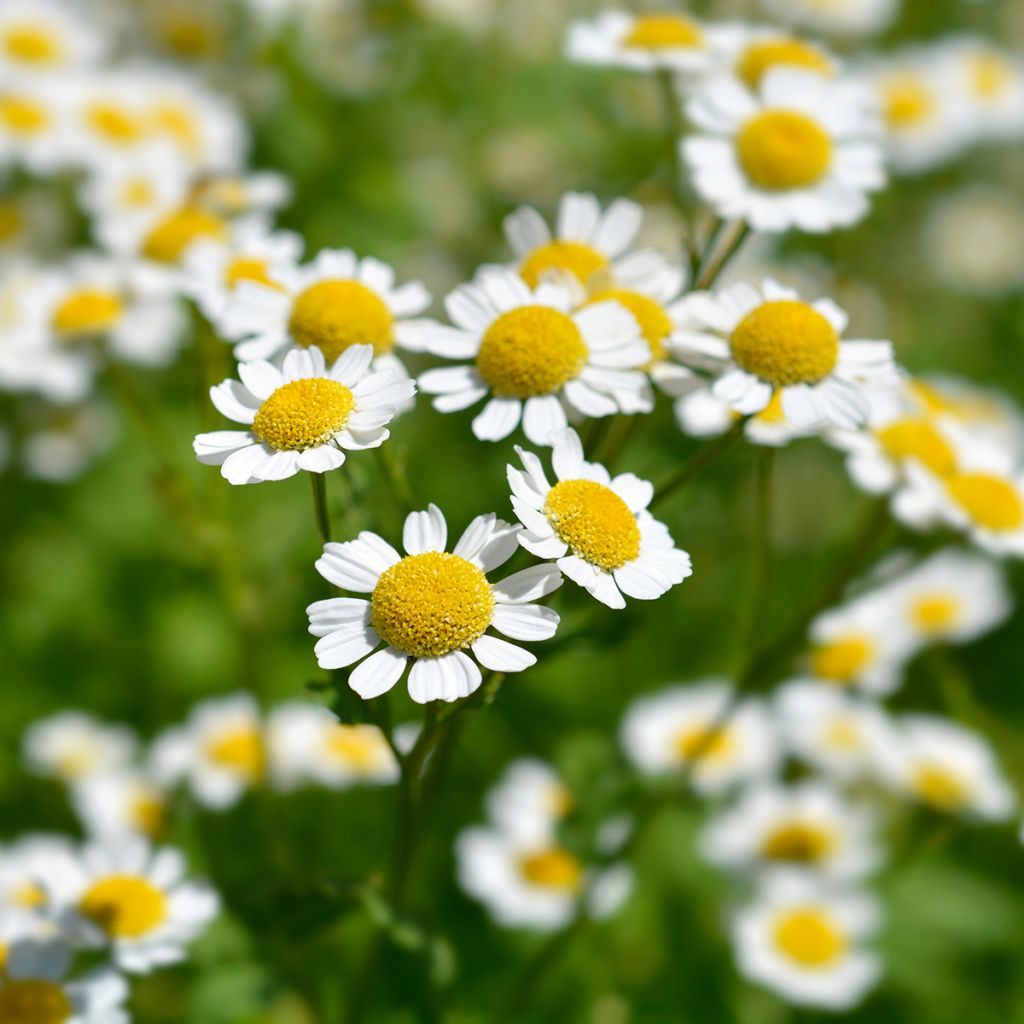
{"x": 527, "y": 585}
{"x": 446, "y": 678}
{"x": 378, "y": 673}
{"x": 525, "y": 622}
{"x": 341, "y": 648}
{"x": 425, "y": 531}
{"x": 501, "y": 656}
{"x": 543, "y": 416}
{"x": 500, "y": 416}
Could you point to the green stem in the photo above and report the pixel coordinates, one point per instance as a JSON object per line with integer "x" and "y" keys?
{"x": 707, "y": 455}
{"x": 716, "y": 261}
{"x": 763, "y": 548}
{"x": 395, "y": 476}
{"x": 323, "y": 516}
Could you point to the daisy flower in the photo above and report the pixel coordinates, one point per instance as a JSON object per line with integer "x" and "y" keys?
{"x": 33, "y": 123}
{"x": 663, "y": 732}
{"x": 132, "y": 898}
{"x": 808, "y": 826}
{"x": 838, "y": 17}
{"x": 72, "y": 746}
{"x": 304, "y": 416}
{"x": 65, "y": 441}
{"x": 45, "y": 36}
{"x": 529, "y": 799}
{"x": 538, "y": 359}
{"x": 116, "y": 805}
{"x": 110, "y": 119}
{"x": 768, "y": 342}
{"x": 751, "y": 52}
{"x": 801, "y": 151}
{"x": 991, "y": 81}
{"x": 804, "y": 942}
{"x": 23, "y": 865}
{"x": 701, "y": 414}
{"x": 430, "y": 608}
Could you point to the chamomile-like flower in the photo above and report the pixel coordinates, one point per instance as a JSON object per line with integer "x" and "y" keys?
{"x": 529, "y": 799}
{"x": 304, "y": 416}
{"x": 33, "y": 123}
{"x": 751, "y": 52}
{"x": 253, "y": 194}
{"x": 596, "y": 527}
{"x": 73, "y": 745}
{"x": 768, "y": 342}
{"x": 23, "y": 866}
{"x": 804, "y": 941}
{"x": 431, "y": 608}
{"x": 801, "y": 151}
{"x": 704, "y": 731}
{"x": 538, "y": 359}
{"x": 842, "y": 18}
{"x": 45, "y": 36}
{"x": 701, "y": 414}
{"x": 116, "y": 805}
{"x": 991, "y": 82}
{"x": 133, "y": 899}
{"x": 64, "y": 441}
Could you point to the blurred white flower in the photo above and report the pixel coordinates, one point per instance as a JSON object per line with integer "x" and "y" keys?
{"x": 73, "y": 745}
{"x": 843, "y": 18}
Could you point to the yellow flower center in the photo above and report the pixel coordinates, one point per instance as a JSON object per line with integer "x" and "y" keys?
{"x": 575, "y": 258}
{"x": 336, "y": 314}
{"x": 168, "y": 240}
{"x": 356, "y": 745}
{"x": 248, "y": 268}
{"x": 798, "y": 842}
{"x": 124, "y": 906}
{"x": 33, "y": 1001}
{"x": 180, "y": 123}
{"x": 532, "y": 350}
{"x": 698, "y": 741}
{"x": 663, "y": 32}
{"x": 841, "y": 660}
{"x": 87, "y": 311}
{"x": 907, "y": 101}
{"x": 116, "y": 124}
{"x": 810, "y": 936}
{"x": 190, "y": 35}
{"x": 241, "y": 750}
{"x": 991, "y": 502}
{"x": 595, "y": 522}
{"x": 33, "y": 44}
{"x": 303, "y": 414}
{"x": 137, "y": 192}
{"x": 935, "y": 613}
{"x": 431, "y": 604}
{"x": 911, "y": 438}
{"x": 990, "y": 75}
{"x": 783, "y": 149}
{"x": 22, "y": 116}
{"x": 843, "y": 734}
{"x": 759, "y": 58}
{"x": 29, "y": 895}
{"x": 553, "y": 869}
{"x": 655, "y": 324}
{"x": 11, "y": 221}
{"x": 77, "y": 759}
{"x": 940, "y": 787}
{"x": 785, "y": 343}
{"x": 148, "y": 813}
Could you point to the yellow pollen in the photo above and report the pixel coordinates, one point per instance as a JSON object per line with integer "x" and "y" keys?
{"x": 148, "y": 813}
{"x": 695, "y": 741}
{"x": 991, "y": 502}
{"x": 179, "y": 122}
{"x": 34, "y": 1001}
{"x": 783, "y": 149}
{"x": 655, "y": 324}
{"x": 11, "y": 221}
{"x": 87, "y": 311}
{"x": 532, "y": 350}
{"x": 907, "y": 101}
{"x": 843, "y": 734}
{"x": 797, "y": 842}
{"x": 840, "y": 660}
{"x": 575, "y": 258}
{"x": 911, "y": 438}
{"x": 935, "y": 613}
{"x": 359, "y": 746}
{"x": 595, "y": 522}
{"x": 785, "y": 343}
{"x": 29, "y": 895}
{"x": 940, "y": 787}
{"x": 22, "y": 116}
{"x": 248, "y": 268}
{"x": 759, "y": 58}
{"x": 168, "y": 240}
{"x": 431, "y": 604}
{"x": 553, "y": 869}
{"x": 810, "y": 937}
{"x": 116, "y": 124}
{"x": 990, "y": 75}
{"x": 336, "y": 314}
{"x": 664, "y": 32}
{"x": 303, "y": 414}
{"x": 241, "y": 750}
{"x": 124, "y": 906}
{"x": 32, "y": 44}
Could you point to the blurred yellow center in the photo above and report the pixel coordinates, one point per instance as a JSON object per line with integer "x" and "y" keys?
{"x": 22, "y": 116}
{"x": 229, "y": 195}
{"x": 553, "y": 869}
{"x": 33, "y": 44}
{"x": 810, "y": 937}
{"x": 705, "y": 744}
{"x": 798, "y": 842}
{"x": 783, "y": 149}
{"x": 841, "y": 660}
{"x": 248, "y": 268}
{"x": 935, "y": 613}
{"x": 29, "y": 895}
{"x": 336, "y": 314}
{"x": 663, "y": 32}
{"x": 759, "y": 58}
{"x": 77, "y": 759}
{"x": 595, "y": 522}
{"x": 33, "y": 1001}
{"x": 303, "y": 414}
{"x": 137, "y": 192}
{"x": 912, "y": 438}
{"x": 116, "y": 124}
{"x": 990, "y": 75}
{"x": 991, "y": 502}
{"x": 575, "y": 258}
{"x": 180, "y": 123}
{"x": 124, "y": 906}
{"x": 559, "y": 801}
{"x": 148, "y": 813}
{"x": 785, "y": 343}
{"x": 907, "y": 101}
{"x": 843, "y": 734}
{"x": 655, "y": 324}
{"x": 241, "y": 750}
{"x": 87, "y": 311}
{"x": 356, "y": 745}
{"x": 940, "y": 787}
{"x": 189, "y": 35}
{"x": 168, "y": 240}
{"x": 431, "y": 604}
{"x": 532, "y": 350}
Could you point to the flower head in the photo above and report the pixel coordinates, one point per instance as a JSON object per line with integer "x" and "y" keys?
{"x": 73, "y": 746}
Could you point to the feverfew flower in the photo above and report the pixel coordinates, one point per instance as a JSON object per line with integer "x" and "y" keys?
{"x": 801, "y": 151}
{"x": 529, "y": 799}
{"x": 431, "y": 608}
{"x": 304, "y": 416}
{"x": 73, "y": 745}
{"x": 33, "y": 123}
{"x": 991, "y": 82}
{"x": 121, "y": 804}
{"x": 752, "y": 51}
{"x": 701, "y": 414}
{"x": 596, "y": 527}
{"x": 23, "y": 866}
{"x": 45, "y": 36}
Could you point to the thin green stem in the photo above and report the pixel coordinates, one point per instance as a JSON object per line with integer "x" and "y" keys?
{"x": 719, "y": 255}
{"x": 394, "y": 473}
{"x": 323, "y": 516}
{"x": 707, "y": 455}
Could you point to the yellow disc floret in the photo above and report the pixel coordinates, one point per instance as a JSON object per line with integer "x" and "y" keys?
{"x": 913, "y": 438}
{"x": 303, "y": 414}
{"x": 248, "y": 268}
{"x": 655, "y": 324}
{"x": 784, "y": 149}
{"x": 431, "y": 604}
{"x": 943, "y": 789}
{"x": 34, "y": 1001}
{"x": 148, "y": 813}
{"x": 553, "y": 869}
{"x": 907, "y": 101}
{"x": 336, "y": 314}
{"x": 168, "y": 240}
{"x": 574, "y": 258}
{"x": 532, "y": 350}
{"x": 124, "y": 906}
{"x": 991, "y": 502}
{"x": 785, "y": 343}
{"x": 358, "y": 746}
{"x": 759, "y": 58}
{"x": 990, "y": 74}
{"x": 809, "y": 936}
{"x": 705, "y": 743}
{"x": 841, "y": 659}
{"x": 32, "y": 44}
{"x": 664, "y": 32}
{"x": 935, "y": 613}
{"x": 116, "y": 124}
{"x": 798, "y": 842}
{"x": 87, "y": 311}
{"x": 595, "y": 522}
{"x": 241, "y": 750}
{"x": 21, "y": 115}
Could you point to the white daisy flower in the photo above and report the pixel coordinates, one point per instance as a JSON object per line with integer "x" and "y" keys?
{"x": 991, "y": 80}
{"x": 804, "y": 941}
{"x": 307, "y": 745}
{"x": 529, "y": 800}
{"x": 540, "y": 361}
{"x": 701, "y": 414}
{"x": 73, "y": 745}
{"x": 842, "y": 18}
{"x": 133, "y": 899}
{"x": 20, "y": 925}
{"x": 66, "y": 441}
{"x": 304, "y": 416}
{"x": 750, "y": 52}
{"x": 220, "y": 752}
{"x": 23, "y": 865}
{"x": 34, "y": 986}
{"x": 117, "y": 805}
{"x": 595, "y": 527}
{"x": 663, "y": 732}
{"x": 45, "y": 36}
{"x": 802, "y": 151}
{"x": 258, "y": 193}
{"x": 767, "y": 341}
{"x": 33, "y": 123}
{"x": 808, "y": 826}
{"x": 948, "y": 767}
{"x": 431, "y": 608}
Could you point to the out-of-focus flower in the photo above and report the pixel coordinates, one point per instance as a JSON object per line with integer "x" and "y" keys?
{"x": 701, "y": 414}
{"x": 22, "y": 870}
{"x": 801, "y": 151}
{"x": 256, "y": 194}
{"x": 836, "y": 17}
{"x": 595, "y": 527}
{"x": 991, "y": 81}
{"x": 529, "y": 799}
{"x": 117, "y": 805}
{"x": 65, "y": 441}
{"x": 33, "y": 123}
{"x": 430, "y": 607}
{"x": 73, "y": 745}
{"x": 45, "y": 36}
{"x": 751, "y": 52}
{"x": 702, "y": 730}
